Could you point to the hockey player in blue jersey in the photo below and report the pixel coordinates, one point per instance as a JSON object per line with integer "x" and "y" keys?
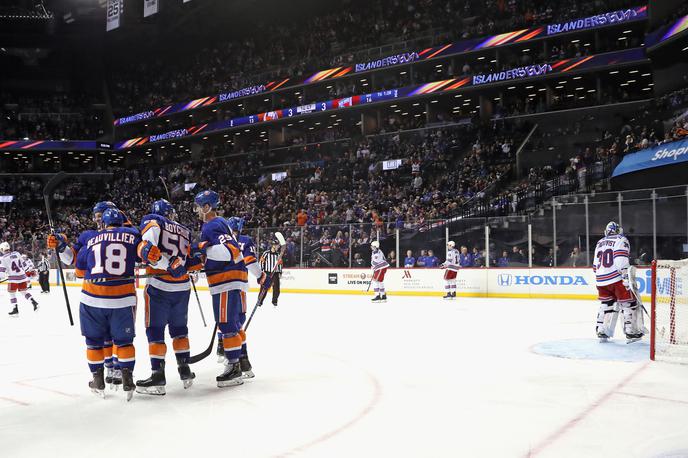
{"x": 248, "y": 250}
{"x": 107, "y": 262}
{"x": 167, "y": 294}
{"x": 227, "y": 279}
{"x": 68, "y": 255}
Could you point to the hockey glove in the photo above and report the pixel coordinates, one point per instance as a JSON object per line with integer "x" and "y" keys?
{"x": 624, "y": 279}
{"x": 148, "y": 252}
{"x": 198, "y": 249}
{"x": 176, "y": 267}
{"x": 57, "y": 242}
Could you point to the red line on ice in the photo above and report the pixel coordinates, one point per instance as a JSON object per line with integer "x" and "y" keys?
{"x": 549, "y": 440}
{"x": 375, "y": 399}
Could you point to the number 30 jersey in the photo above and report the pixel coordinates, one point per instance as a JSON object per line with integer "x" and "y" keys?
{"x": 611, "y": 257}
{"x": 109, "y": 254}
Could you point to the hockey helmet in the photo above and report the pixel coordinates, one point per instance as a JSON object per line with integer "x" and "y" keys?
{"x": 375, "y": 245}
{"x": 451, "y": 244}
{"x": 207, "y": 197}
{"x": 100, "y": 207}
{"x": 612, "y": 229}
{"x": 112, "y": 217}
{"x": 162, "y": 207}
{"x": 235, "y": 223}
{"x": 4, "y": 247}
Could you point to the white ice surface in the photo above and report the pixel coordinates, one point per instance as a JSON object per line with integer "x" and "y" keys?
{"x": 337, "y": 376}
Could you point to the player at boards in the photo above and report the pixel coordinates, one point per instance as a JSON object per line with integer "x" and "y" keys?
{"x": 452, "y": 267}
{"x": 611, "y": 273}
{"x": 379, "y": 264}
{"x": 12, "y": 268}
{"x": 227, "y": 280}
{"x": 166, "y": 294}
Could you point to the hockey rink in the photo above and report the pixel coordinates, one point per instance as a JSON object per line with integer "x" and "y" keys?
{"x": 338, "y": 376}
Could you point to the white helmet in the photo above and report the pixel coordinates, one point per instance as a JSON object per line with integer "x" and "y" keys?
{"x": 613, "y": 229}
{"x": 375, "y": 244}
{"x": 4, "y": 247}
{"x": 451, "y": 244}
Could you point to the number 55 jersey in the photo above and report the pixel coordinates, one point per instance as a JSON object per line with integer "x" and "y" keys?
{"x": 107, "y": 263}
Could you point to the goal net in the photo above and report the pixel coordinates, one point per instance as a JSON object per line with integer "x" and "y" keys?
{"x": 669, "y": 332}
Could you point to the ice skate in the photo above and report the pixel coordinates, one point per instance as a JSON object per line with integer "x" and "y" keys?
{"x": 377, "y": 298}
{"x": 35, "y": 304}
{"x": 116, "y": 379}
{"x": 383, "y": 298}
{"x": 155, "y": 384}
{"x": 246, "y": 368}
{"x": 630, "y": 338}
{"x": 128, "y": 383}
{"x": 447, "y": 296}
{"x": 97, "y": 385}
{"x": 15, "y": 312}
{"x": 231, "y": 376}
{"x": 604, "y": 338}
{"x": 186, "y": 375}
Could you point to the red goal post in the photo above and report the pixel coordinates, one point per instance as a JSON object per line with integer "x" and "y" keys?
{"x": 669, "y": 311}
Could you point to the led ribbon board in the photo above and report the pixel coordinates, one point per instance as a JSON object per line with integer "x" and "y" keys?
{"x": 49, "y": 145}
{"x": 460, "y": 47}
{"x": 520, "y": 73}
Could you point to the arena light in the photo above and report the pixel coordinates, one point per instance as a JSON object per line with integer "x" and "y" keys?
{"x": 577, "y": 77}
{"x": 511, "y": 87}
{"x": 613, "y": 72}
{"x": 633, "y": 71}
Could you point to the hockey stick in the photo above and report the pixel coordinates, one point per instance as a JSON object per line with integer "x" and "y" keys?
{"x": 47, "y": 196}
{"x": 204, "y": 354}
{"x": 193, "y": 283}
{"x": 268, "y": 281}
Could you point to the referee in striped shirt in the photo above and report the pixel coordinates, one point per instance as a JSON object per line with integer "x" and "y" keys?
{"x": 268, "y": 260}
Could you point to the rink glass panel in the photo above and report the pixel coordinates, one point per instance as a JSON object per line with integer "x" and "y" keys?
{"x": 506, "y": 234}
{"x": 571, "y": 232}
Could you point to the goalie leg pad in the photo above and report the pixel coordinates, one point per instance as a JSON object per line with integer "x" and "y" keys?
{"x": 632, "y": 319}
{"x": 606, "y": 319}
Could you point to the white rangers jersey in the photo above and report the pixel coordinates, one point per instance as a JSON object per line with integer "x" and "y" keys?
{"x": 12, "y": 267}
{"x": 452, "y": 262}
{"x": 29, "y": 267}
{"x": 378, "y": 261}
{"x": 611, "y": 257}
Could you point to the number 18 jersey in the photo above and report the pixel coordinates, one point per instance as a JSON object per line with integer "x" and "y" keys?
{"x": 109, "y": 254}
{"x": 611, "y": 256}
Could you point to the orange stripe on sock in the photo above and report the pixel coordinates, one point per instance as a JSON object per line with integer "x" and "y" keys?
{"x": 126, "y": 353}
{"x": 242, "y": 334}
{"x": 157, "y": 349}
{"x": 231, "y": 342}
{"x": 180, "y": 344}
{"x": 95, "y": 355}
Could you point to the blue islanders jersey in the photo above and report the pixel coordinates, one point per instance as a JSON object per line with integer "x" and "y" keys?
{"x": 248, "y": 249}
{"x": 109, "y": 253}
{"x": 172, "y": 239}
{"x": 223, "y": 275}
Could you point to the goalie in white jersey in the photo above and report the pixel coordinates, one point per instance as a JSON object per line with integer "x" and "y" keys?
{"x": 452, "y": 265}
{"x": 611, "y": 273}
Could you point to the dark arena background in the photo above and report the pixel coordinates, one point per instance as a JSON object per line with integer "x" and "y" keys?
{"x": 409, "y": 228}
